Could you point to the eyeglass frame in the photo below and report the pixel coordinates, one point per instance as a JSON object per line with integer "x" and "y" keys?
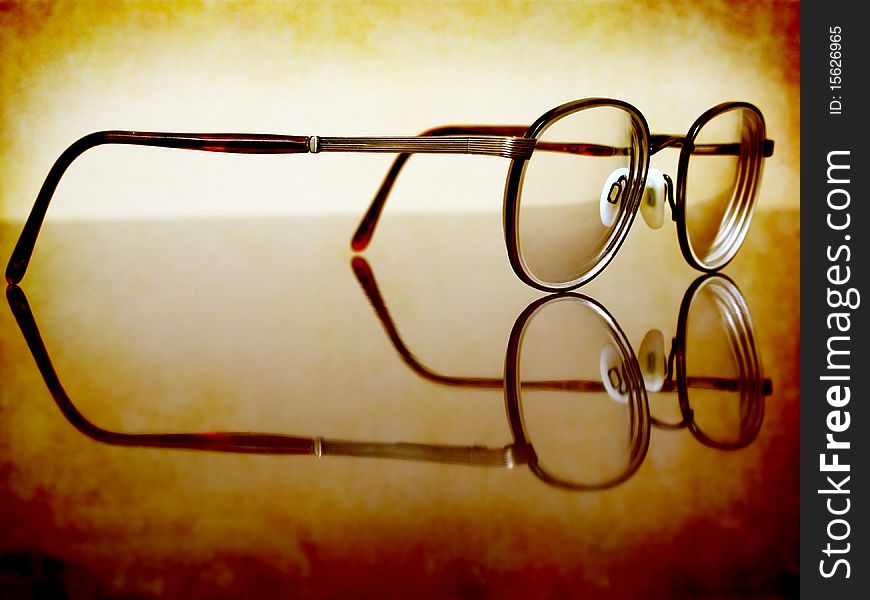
{"x": 442, "y": 140}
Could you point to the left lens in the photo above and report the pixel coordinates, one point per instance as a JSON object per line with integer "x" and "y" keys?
{"x": 582, "y": 404}
{"x": 579, "y": 191}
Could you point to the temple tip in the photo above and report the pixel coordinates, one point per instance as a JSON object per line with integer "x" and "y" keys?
{"x": 361, "y": 238}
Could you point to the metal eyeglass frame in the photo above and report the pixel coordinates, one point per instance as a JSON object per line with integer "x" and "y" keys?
{"x": 750, "y": 383}
{"x": 520, "y": 452}
{"x": 514, "y": 142}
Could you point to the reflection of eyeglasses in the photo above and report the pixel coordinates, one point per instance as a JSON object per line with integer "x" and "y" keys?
{"x": 520, "y": 452}
{"x": 739, "y": 387}
{"x": 578, "y": 175}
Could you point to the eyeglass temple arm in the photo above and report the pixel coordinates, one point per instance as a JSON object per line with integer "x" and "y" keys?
{"x": 242, "y": 442}
{"x": 366, "y": 278}
{"x": 214, "y": 142}
{"x": 511, "y": 147}
{"x": 660, "y": 141}
{"x": 365, "y": 230}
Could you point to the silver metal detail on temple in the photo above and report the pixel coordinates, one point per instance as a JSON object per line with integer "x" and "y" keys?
{"x": 507, "y": 147}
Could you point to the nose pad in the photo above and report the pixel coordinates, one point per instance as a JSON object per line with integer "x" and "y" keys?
{"x": 653, "y": 364}
{"x": 652, "y": 205}
{"x": 612, "y": 196}
{"x": 613, "y": 373}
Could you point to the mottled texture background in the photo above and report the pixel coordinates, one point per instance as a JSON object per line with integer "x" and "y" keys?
{"x": 162, "y": 313}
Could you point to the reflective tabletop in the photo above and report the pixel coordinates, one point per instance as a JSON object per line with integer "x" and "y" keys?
{"x": 212, "y": 407}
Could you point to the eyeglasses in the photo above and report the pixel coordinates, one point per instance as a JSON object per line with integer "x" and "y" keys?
{"x": 720, "y": 387}
{"x": 577, "y": 178}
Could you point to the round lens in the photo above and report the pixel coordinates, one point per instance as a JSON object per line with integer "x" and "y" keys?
{"x": 721, "y": 181}
{"x": 579, "y": 192}
{"x": 724, "y": 386}
{"x": 581, "y": 401}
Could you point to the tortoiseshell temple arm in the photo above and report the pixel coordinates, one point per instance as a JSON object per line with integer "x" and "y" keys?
{"x": 490, "y": 140}
{"x": 244, "y": 143}
{"x": 214, "y": 142}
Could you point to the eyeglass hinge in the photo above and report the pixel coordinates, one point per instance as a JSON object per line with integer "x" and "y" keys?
{"x": 314, "y": 144}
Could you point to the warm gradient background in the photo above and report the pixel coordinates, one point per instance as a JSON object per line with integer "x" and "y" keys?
{"x": 360, "y": 68}
{"x": 178, "y": 291}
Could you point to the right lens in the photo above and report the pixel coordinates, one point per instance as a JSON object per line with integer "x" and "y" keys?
{"x": 578, "y": 190}
{"x": 722, "y": 178}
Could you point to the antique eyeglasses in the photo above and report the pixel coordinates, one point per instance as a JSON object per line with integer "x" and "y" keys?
{"x": 578, "y": 176}
{"x": 593, "y": 445}
{"x": 719, "y": 385}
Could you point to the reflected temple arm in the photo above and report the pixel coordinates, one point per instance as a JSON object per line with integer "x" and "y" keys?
{"x": 457, "y": 455}
{"x": 259, "y": 443}
{"x": 366, "y": 278}
{"x": 725, "y": 384}
{"x": 244, "y": 442}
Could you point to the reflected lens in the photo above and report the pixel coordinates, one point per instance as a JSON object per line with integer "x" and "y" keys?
{"x": 722, "y": 178}
{"x": 582, "y": 405}
{"x": 579, "y": 191}
{"x": 724, "y": 386}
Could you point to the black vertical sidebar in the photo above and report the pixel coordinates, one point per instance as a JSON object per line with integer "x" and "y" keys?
{"x": 835, "y": 300}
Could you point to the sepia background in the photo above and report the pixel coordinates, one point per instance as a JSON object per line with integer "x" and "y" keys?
{"x": 193, "y": 292}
